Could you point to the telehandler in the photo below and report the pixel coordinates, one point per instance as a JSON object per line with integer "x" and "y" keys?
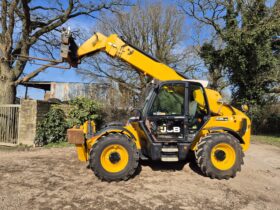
{"x": 179, "y": 116}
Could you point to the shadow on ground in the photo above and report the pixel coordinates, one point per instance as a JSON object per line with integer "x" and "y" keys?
{"x": 173, "y": 166}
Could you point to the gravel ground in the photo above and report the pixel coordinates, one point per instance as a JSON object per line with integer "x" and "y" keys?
{"x": 55, "y": 179}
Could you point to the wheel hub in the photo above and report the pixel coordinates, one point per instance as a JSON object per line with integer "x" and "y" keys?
{"x": 220, "y": 155}
{"x": 114, "y": 157}
{"x": 223, "y": 156}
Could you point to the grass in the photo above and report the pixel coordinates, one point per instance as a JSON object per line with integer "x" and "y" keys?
{"x": 273, "y": 140}
{"x": 58, "y": 144}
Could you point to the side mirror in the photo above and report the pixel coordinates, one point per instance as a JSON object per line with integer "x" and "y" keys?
{"x": 137, "y": 113}
{"x": 245, "y": 107}
{"x": 130, "y": 109}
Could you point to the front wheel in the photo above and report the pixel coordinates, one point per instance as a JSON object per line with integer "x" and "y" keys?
{"x": 219, "y": 155}
{"x": 114, "y": 157}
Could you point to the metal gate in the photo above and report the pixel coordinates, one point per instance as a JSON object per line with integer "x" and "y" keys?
{"x": 9, "y": 115}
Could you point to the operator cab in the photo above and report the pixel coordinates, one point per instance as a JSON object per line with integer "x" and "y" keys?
{"x": 174, "y": 111}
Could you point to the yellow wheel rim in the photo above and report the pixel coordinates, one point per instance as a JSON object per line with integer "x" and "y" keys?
{"x": 114, "y": 158}
{"x": 223, "y": 156}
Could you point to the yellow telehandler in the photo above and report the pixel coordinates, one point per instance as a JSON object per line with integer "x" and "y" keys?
{"x": 178, "y": 116}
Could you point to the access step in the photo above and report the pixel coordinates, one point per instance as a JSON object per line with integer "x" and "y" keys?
{"x": 169, "y": 158}
{"x": 169, "y": 149}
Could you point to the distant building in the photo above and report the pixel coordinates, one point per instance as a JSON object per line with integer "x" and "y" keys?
{"x": 108, "y": 93}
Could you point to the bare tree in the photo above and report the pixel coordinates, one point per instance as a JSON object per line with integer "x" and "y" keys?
{"x": 29, "y": 27}
{"x": 155, "y": 29}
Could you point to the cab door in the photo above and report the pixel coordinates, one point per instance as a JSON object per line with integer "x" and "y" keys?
{"x": 166, "y": 118}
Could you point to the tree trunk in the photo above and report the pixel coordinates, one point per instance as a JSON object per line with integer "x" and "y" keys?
{"x": 8, "y": 92}
{"x": 7, "y": 84}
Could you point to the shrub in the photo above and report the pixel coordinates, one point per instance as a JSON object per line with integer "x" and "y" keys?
{"x": 266, "y": 119}
{"x": 83, "y": 109}
{"x": 52, "y": 128}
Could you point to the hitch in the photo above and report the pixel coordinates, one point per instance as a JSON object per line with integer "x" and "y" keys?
{"x": 69, "y": 48}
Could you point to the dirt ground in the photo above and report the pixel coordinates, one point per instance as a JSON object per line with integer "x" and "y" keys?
{"x": 55, "y": 179}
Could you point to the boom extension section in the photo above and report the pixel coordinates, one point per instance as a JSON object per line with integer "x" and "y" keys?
{"x": 116, "y": 47}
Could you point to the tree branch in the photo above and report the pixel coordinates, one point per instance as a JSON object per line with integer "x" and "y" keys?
{"x": 4, "y": 17}
{"x": 44, "y": 8}
{"x": 22, "y": 46}
{"x": 215, "y": 9}
{"x": 26, "y": 20}
{"x": 54, "y": 23}
{"x": 10, "y": 30}
{"x": 33, "y": 74}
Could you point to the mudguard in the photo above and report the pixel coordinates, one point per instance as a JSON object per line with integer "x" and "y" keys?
{"x": 112, "y": 129}
{"x": 232, "y": 132}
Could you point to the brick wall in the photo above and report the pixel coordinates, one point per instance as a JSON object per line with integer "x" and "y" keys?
{"x": 42, "y": 108}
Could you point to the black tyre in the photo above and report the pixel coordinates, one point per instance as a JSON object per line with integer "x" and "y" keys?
{"x": 219, "y": 155}
{"x": 114, "y": 157}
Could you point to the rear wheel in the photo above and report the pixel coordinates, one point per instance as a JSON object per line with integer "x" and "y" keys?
{"x": 114, "y": 157}
{"x": 219, "y": 155}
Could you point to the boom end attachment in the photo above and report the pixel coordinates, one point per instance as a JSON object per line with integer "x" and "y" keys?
{"x": 69, "y": 48}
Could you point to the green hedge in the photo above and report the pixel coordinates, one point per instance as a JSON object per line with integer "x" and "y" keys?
{"x": 265, "y": 120}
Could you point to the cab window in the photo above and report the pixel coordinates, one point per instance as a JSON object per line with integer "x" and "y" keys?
{"x": 169, "y": 100}
{"x": 197, "y": 101}
{"x": 197, "y": 107}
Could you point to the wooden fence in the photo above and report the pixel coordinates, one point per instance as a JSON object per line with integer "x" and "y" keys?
{"x": 9, "y": 118}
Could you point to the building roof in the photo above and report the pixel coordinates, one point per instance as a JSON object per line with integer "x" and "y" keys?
{"x": 46, "y": 85}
